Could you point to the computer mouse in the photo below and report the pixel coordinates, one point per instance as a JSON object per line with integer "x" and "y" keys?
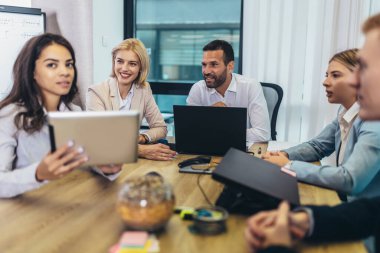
{"x": 195, "y": 160}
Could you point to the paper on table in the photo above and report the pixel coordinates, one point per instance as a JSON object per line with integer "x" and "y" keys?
{"x": 280, "y": 145}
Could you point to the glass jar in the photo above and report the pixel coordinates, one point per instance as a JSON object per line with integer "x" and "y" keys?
{"x": 146, "y": 203}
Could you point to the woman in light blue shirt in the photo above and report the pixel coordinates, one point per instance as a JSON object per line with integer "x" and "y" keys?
{"x": 44, "y": 80}
{"x": 355, "y": 142}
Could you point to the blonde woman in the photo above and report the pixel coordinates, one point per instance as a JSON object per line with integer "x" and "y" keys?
{"x": 128, "y": 89}
{"x": 355, "y": 141}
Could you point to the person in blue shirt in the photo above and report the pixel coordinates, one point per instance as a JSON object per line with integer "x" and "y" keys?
{"x": 272, "y": 231}
{"x": 355, "y": 142}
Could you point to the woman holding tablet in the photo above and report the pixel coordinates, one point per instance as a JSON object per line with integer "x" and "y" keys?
{"x": 355, "y": 142}
{"x": 44, "y": 80}
{"x": 127, "y": 89}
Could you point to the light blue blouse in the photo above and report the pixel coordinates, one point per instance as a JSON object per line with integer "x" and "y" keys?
{"x": 358, "y": 175}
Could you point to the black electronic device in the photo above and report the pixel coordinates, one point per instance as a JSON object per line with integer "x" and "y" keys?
{"x": 209, "y": 130}
{"x": 195, "y": 160}
{"x": 263, "y": 183}
{"x": 197, "y": 165}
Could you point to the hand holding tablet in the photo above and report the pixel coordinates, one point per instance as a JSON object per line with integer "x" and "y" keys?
{"x": 108, "y": 137}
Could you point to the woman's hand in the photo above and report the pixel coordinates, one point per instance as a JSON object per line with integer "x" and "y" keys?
{"x": 63, "y": 161}
{"x": 275, "y": 153}
{"x": 277, "y": 157}
{"x": 157, "y": 151}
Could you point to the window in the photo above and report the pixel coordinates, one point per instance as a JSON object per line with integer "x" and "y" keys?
{"x": 174, "y": 33}
{"x": 176, "y": 55}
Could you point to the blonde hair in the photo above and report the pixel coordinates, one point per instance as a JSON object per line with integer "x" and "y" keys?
{"x": 139, "y": 49}
{"x": 347, "y": 57}
{"x": 371, "y": 23}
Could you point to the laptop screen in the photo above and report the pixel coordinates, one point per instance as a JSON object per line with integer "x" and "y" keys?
{"x": 209, "y": 130}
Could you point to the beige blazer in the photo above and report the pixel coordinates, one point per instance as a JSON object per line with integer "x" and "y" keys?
{"x": 105, "y": 97}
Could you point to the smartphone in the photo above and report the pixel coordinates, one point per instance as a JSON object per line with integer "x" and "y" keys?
{"x": 189, "y": 169}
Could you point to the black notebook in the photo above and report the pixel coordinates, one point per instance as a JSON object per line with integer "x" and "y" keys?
{"x": 256, "y": 177}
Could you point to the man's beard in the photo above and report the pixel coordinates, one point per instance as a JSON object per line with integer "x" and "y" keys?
{"x": 219, "y": 80}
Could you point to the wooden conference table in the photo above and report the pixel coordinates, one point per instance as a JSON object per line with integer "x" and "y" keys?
{"x": 78, "y": 214}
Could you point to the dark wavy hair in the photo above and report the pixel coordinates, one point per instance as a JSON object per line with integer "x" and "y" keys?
{"x": 25, "y": 91}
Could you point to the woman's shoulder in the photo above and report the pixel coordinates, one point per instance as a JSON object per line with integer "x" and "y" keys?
{"x": 11, "y": 110}
{"x": 104, "y": 86}
{"x": 7, "y": 117}
{"x": 142, "y": 90}
{"x": 371, "y": 126}
{"x": 371, "y": 129}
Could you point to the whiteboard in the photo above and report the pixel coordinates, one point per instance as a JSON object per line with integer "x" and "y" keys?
{"x": 17, "y": 25}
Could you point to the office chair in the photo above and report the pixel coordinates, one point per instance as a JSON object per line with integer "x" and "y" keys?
{"x": 273, "y": 95}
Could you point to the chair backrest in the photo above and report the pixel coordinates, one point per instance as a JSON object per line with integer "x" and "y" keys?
{"x": 273, "y": 95}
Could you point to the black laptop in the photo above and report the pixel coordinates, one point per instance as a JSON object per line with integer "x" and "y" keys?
{"x": 209, "y": 130}
{"x": 257, "y": 178}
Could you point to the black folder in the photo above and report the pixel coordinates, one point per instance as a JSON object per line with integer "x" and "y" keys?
{"x": 257, "y": 178}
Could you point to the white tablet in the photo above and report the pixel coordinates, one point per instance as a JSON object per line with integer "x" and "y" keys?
{"x": 108, "y": 137}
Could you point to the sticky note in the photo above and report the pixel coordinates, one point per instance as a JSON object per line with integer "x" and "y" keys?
{"x": 114, "y": 249}
{"x": 133, "y": 238}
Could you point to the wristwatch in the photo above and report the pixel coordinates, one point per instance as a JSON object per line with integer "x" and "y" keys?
{"x": 146, "y": 138}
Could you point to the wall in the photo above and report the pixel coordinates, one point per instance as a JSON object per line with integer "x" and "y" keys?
{"x": 108, "y": 31}
{"x": 19, "y": 3}
{"x": 290, "y": 43}
{"x": 15, "y": 30}
{"x": 73, "y": 20}
{"x": 93, "y": 27}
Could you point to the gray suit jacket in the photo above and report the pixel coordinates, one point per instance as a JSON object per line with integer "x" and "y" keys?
{"x": 104, "y": 97}
{"x": 358, "y": 175}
